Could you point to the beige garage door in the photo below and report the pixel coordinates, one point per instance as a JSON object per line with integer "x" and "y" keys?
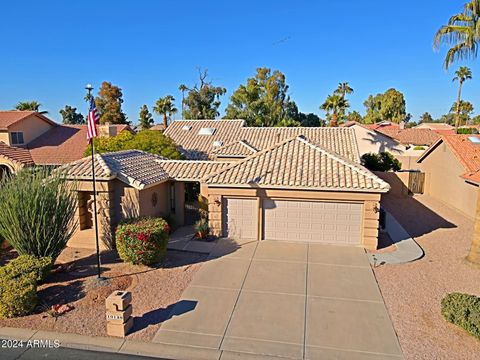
{"x": 321, "y": 222}
{"x": 240, "y": 218}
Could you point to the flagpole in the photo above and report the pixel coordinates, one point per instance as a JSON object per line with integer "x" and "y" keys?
{"x": 92, "y": 145}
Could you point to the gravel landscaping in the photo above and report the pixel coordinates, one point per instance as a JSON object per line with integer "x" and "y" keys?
{"x": 412, "y": 292}
{"x": 154, "y": 291}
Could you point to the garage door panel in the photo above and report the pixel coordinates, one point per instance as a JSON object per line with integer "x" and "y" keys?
{"x": 324, "y": 222}
{"x": 240, "y": 218}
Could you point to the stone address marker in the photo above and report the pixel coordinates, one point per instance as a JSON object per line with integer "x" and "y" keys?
{"x": 119, "y": 313}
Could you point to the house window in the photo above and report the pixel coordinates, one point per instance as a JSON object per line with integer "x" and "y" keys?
{"x": 17, "y": 138}
{"x": 172, "y": 198}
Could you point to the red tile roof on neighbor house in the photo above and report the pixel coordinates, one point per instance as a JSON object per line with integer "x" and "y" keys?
{"x": 62, "y": 144}
{"x": 16, "y": 155}
{"x": 412, "y": 136}
{"x": 384, "y": 125}
{"x": 8, "y": 118}
{"x": 467, "y": 150}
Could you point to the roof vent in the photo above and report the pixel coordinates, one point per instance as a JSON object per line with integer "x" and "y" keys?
{"x": 206, "y": 131}
{"x": 186, "y": 127}
{"x": 218, "y": 143}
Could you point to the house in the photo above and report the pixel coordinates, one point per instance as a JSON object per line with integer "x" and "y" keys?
{"x": 439, "y": 128}
{"x": 28, "y": 138}
{"x": 285, "y": 184}
{"x": 452, "y": 171}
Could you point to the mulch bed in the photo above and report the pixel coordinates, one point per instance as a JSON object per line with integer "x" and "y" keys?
{"x": 74, "y": 281}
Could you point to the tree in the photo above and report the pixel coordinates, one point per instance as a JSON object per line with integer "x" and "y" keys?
{"x": 383, "y": 161}
{"x": 109, "y": 104}
{"x": 183, "y": 88}
{"x": 425, "y": 118}
{"x": 70, "y": 116}
{"x": 343, "y": 89}
{"x": 145, "y": 118}
{"x": 30, "y": 106}
{"x": 334, "y": 106}
{"x": 310, "y": 120}
{"x": 165, "y": 106}
{"x": 263, "y": 100}
{"x": 463, "y": 111}
{"x": 355, "y": 116}
{"x": 202, "y": 101}
{"x": 389, "y": 106}
{"x": 461, "y": 34}
{"x": 462, "y": 74}
{"x": 150, "y": 141}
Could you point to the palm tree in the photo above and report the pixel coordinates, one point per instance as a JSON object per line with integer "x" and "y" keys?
{"x": 165, "y": 106}
{"x": 183, "y": 88}
{"x": 343, "y": 89}
{"x": 336, "y": 105}
{"x": 462, "y": 74}
{"x": 29, "y": 106}
{"x": 462, "y": 33}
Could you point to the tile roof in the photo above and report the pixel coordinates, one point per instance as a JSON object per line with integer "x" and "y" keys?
{"x": 8, "y": 118}
{"x": 140, "y": 169}
{"x": 160, "y": 127}
{"x": 412, "y": 136}
{"x": 62, "y": 144}
{"x": 15, "y": 154}
{"x": 194, "y": 146}
{"x": 384, "y": 125}
{"x": 435, "y": 126}
{"x": 235, "y": 149}
{"x": 191, "y": 170}
{"x": 297, "y": 163}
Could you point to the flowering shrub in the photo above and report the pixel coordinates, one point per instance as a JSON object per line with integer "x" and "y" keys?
{"x": 142, "y": 240}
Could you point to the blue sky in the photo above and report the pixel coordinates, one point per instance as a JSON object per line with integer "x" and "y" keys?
{"x": 51, "y": 49}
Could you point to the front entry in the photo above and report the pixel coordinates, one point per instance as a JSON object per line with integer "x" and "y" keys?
{"x": 338, "y": 223}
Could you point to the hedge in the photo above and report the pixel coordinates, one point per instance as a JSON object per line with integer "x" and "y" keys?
{"x": 463, "y": 310}
{"x": 142, "y": 240}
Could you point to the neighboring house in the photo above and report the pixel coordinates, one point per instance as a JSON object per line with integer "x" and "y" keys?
{"x": 158, "y": 127}
{"x": 385, "y": 125}
{"x": 440, "y": 128}
{"x": 452, "y": 171}
{"x": 285, "y": 184}
{"x": 28, "y": 138}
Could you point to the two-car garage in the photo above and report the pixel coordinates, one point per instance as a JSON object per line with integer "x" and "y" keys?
{"x": 331, "y": 222}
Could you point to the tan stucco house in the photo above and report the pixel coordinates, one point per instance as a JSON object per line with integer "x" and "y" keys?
{"x": 452, "y": 171}
{"x": 29, "y": 138}
{"x": 285, "y": 184}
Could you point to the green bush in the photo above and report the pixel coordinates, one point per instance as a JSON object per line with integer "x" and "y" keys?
{"x": 463, "y": 310}
{"x": 37, "y": 212}
{"x": 142, "y": 240}
{"x": 18, "y": 291}
{"x": 467, "y": 131}
{"x": 383, "y": 161}
{"x": 25, "y": 264}
{"x": 418, "y": 148}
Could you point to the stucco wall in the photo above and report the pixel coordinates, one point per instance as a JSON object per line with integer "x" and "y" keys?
{"x": 148, "y": 207}
{"x": 373, "y": 142}
{"x": 4, "y": 137}
{"x": 32, "y": 127}
{"x": 443, "y": 182}
{"x": 370, "y": 201}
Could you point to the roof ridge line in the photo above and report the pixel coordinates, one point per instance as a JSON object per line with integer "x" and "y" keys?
{"x": 342, "y": 160}
{"x": 257, "y": 154}
{"x": 191, "y": 161}
{"x": 105, "y": 165}
{"x": 248, "y": 146}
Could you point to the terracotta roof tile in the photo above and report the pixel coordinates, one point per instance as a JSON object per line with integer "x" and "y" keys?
{"x": 8, "y": 118}
{"x": 297, "y": 163}
{"x": 191, "y": 170}
{"x": 467, "y": 152}
{"x": 412, "y": 136}
{"x": 185, "y": 133}
{"x": 15, "y": 154}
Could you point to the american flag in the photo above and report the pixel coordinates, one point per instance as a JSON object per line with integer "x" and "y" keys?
{"x": 92, "y": 121}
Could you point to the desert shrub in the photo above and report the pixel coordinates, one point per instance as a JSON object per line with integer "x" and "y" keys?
{"x": 142, "y": 240}
{"x": 418, "y": 148}
{"x": 467, "y": 131}
{"x": 18, "y": 292}
{"x": 25, "y": 264}
{"x": 463, "y": 310}
{"x": 172, "y": 223}
{"x": 201, "y": 228}
{"x": 37, "y": 212}
{"x": 383, "y": 161}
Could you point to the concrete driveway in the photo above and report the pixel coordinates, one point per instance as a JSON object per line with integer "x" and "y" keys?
{"x": 267, "y": 299}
